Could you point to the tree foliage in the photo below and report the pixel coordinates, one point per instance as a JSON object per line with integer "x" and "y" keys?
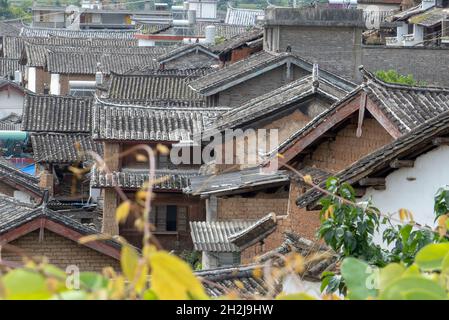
{"x": 392, "y": 76}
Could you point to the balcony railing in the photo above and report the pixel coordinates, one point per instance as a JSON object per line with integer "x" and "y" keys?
{"x": 408, "y": 37}
{"x": 391, "y": 41}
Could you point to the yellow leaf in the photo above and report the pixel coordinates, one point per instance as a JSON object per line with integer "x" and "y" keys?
{"x": 257, "y": 273}
{"x": 172, "y": 278}
{"x": 162, "y": 149}
{"x": 122, "y": 211}
{"x": 129, "y": 261}
{"x": 279, "y": 155}
{"x": 141, "y": 158}
{"x": 329, "y": 212}
{"x": 141, "y": 278}
{"x": 93, "y": 237}
{"x": 405, "y": 214}
{"x": 141, "y": 195}
{"x": 139, "y": 224}
{"x": 308, "y": 179}
{"x": 239, "y": 284}
{"x": 442, "y": 226}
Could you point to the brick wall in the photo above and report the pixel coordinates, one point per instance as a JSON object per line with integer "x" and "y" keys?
{"x": 298, "y": 220}
{"x": 340, "y": 49}
{"x": 42, "y": 79}
{"x": 238, "y": 207}
{"x": 61, "y": 252}
{"x": 334, "y": 49}
{"x": 336, "y": 154}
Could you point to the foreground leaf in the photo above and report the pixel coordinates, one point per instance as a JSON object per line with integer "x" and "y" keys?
{"x": 172, "y": 278}
{"x": 356, "y": 273}
{"x": 431, "y": 256}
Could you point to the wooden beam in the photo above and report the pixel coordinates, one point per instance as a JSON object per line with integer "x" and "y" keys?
{"x": 389, "y": 126}
{"x": 370, "y": 182}
{"x": 440, "y": 141}
{"x": 396, "y": 164}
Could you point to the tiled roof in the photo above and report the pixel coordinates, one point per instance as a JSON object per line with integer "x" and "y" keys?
{"x": 186, "y": 49}
{"x": 52, "y": 113}
{"x": 405, "y": 14}
{"x": 430, "y": 17}
{"x": 9, "y": 173}
{"x": 104, "y": 34}
{"x": 406, "y": 106}
{"x": 244, "y": 281}
{"x": 254, "y": 233}
{"x": 83, "y": 42}
{"x": 239, "y": 180}
{"x": 190, "y": 73}
{"x": 238, "y": 40}
{"x": 9, "y": 29}
{"x": 211, "y": 83}
{"x": 214, "y": 236}
{"x": 34, "y": 55}
{"x": 325, "y": 260}
{"x": 416, "y": 141}
{"x": 9, "y": 66}
{"x": 14, "y": 214}
{"x": 63, "y": 147}
{"x": 12, "y": 47}
{"x": 79, "y": 62}
{"x": 275, "y": 100}
{"x": 152, "y": 87}
{"x": 241, "y": 279}
{"x": 173, "y": 180}
{"x": 245, "y": 17}
{"x": 121, "y": 122}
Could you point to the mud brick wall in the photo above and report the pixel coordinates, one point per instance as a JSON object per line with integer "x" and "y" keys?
{"x": 61, "y": 252}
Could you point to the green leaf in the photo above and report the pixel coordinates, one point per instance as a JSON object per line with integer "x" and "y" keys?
{"x": 22, "y": 284}
{"x": 391, "y": 272}
{"x": 71, "y": 295}
{"x": 412, "y": 287}
{"x": 356, "y": 273}
{"x": 93, "y": 281}
{"x": 150, "y": 295}
{"x": 431, "y": 256}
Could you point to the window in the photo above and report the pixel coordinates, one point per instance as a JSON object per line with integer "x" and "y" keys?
{"x": 82, "y": 88}
{"x": 169, "y": 218}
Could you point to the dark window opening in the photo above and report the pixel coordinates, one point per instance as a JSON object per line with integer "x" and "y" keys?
{"x": 171, "y": 218}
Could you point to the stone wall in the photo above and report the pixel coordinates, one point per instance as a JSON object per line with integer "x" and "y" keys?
{"x": 61, "y": 252}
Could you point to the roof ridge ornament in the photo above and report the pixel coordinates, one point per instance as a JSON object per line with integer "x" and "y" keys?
{"x": 315, "y": 76}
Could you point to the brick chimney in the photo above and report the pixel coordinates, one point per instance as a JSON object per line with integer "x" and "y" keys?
{"x": 110, "y": 202}
{"x": 46, "y": 180}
